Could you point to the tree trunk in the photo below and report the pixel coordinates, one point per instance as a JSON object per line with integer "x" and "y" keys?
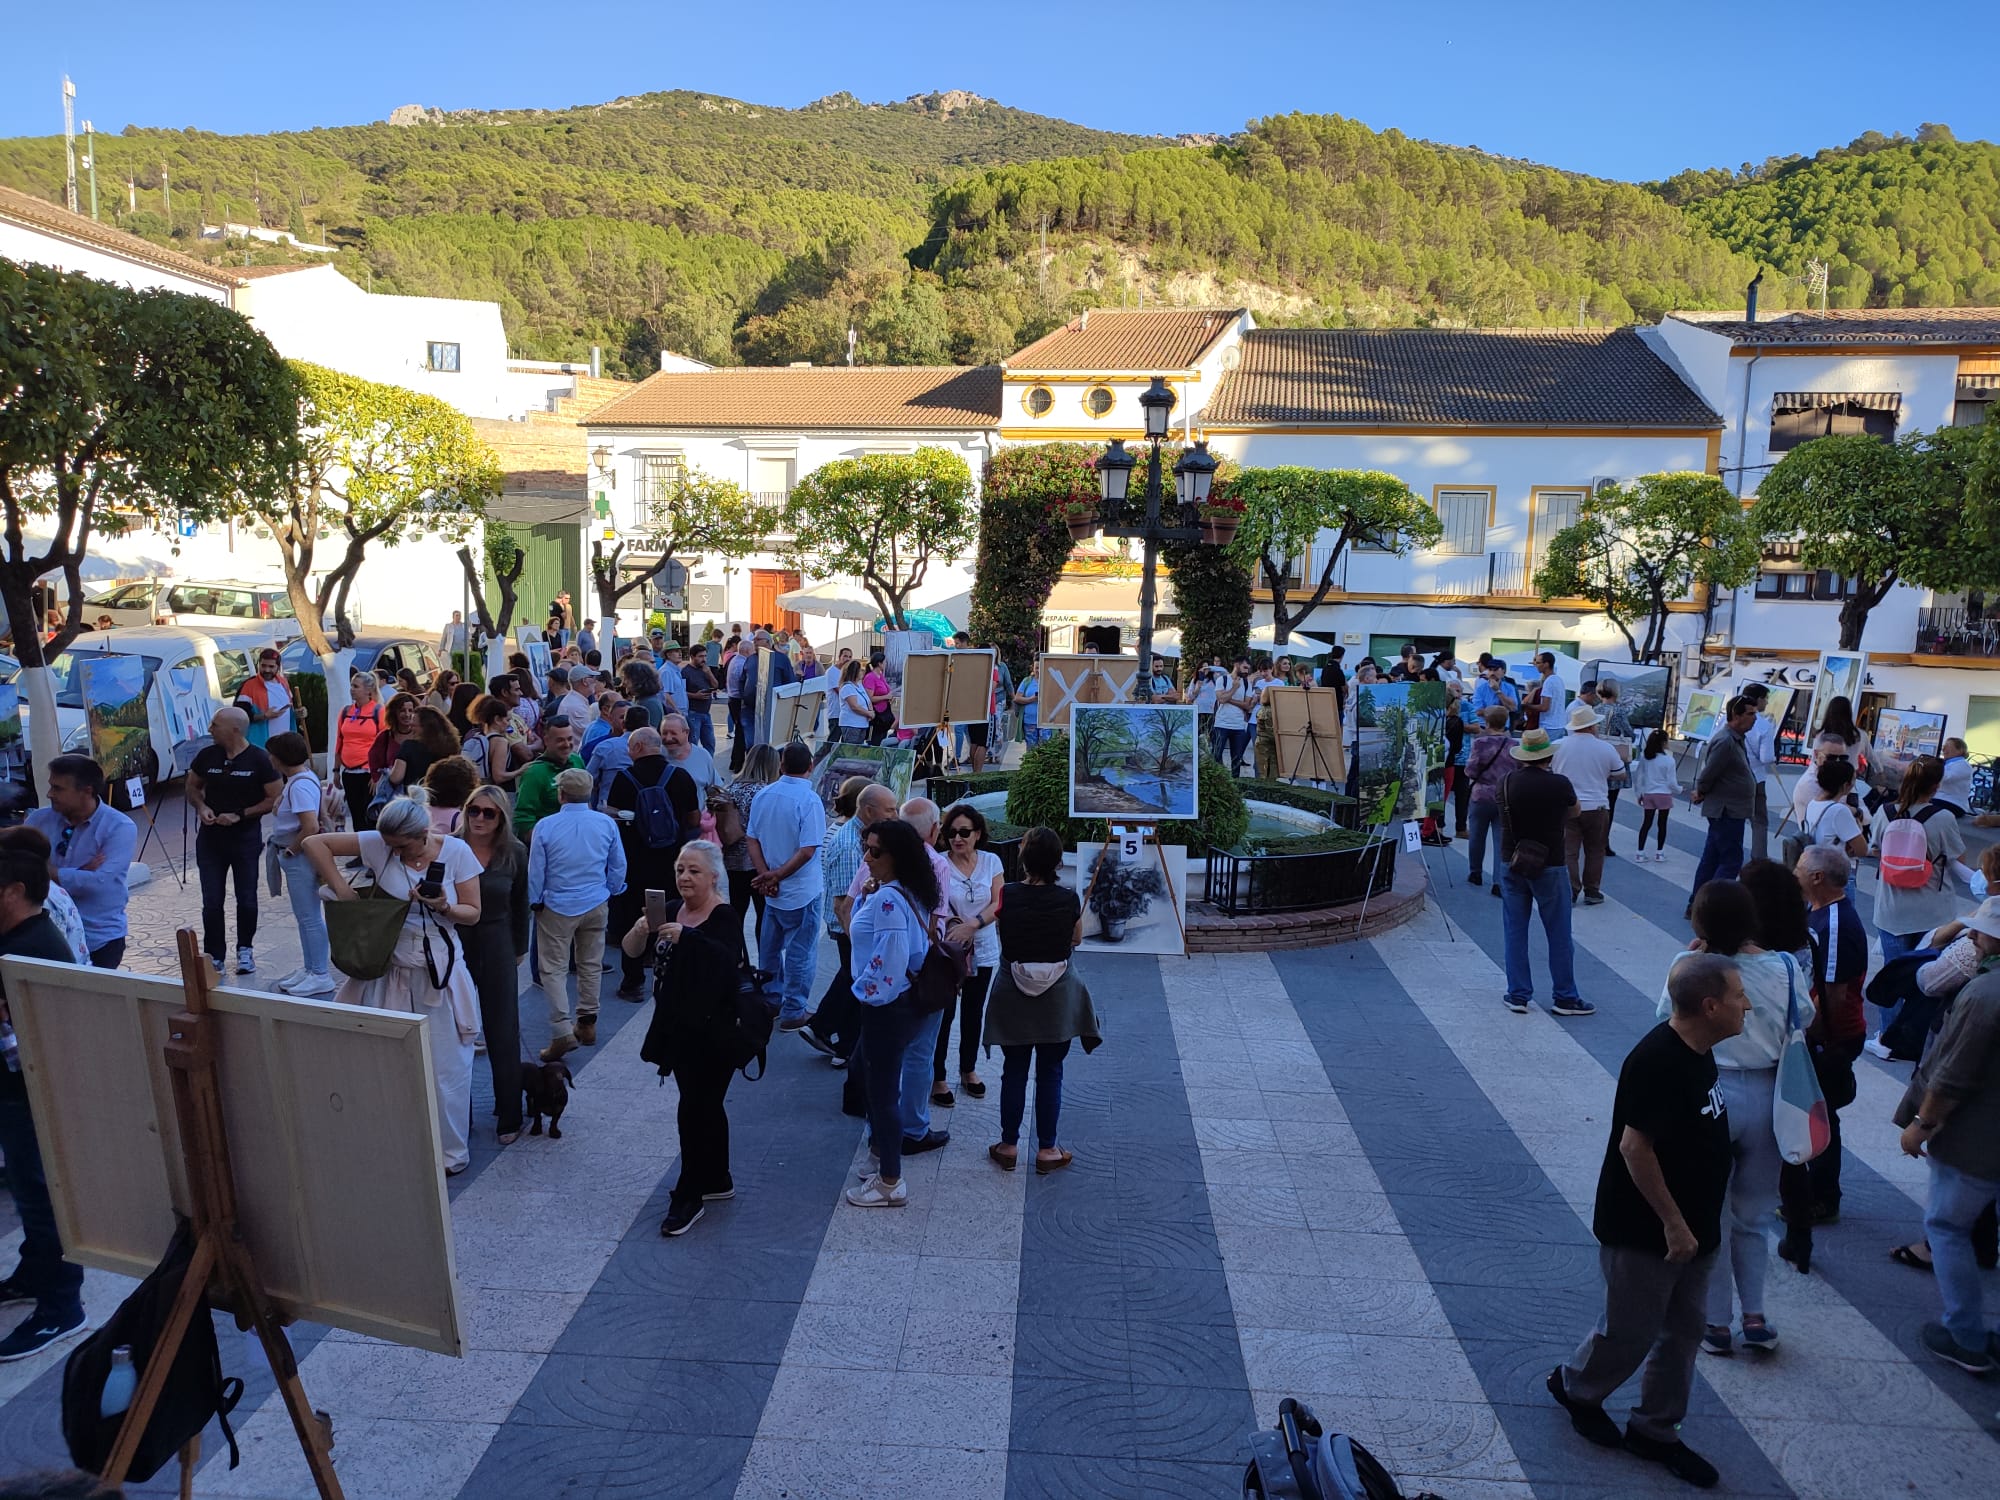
{"x": 37, "y": 688}
{"x": 1854, "y": 611}
{"x": 312, "y": 628}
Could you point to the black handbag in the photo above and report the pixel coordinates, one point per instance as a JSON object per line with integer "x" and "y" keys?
{"x": 1530, "y": 859}
{"x": 934, "y": 982}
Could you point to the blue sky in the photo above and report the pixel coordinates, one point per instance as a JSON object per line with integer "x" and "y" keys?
{"x": 1634, "y": 91}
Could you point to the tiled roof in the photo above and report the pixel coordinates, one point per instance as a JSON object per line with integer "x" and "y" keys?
{"x": 1861, "y": 325}
{"x": 1107, "y": 339}
{"x": 820, "y": 397}
{"x": 1445, "y": 377}
{"x": 38, "y": 213}
{"x": 258, "y": 273}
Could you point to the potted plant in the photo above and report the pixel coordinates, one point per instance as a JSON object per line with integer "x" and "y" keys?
{"x": 1121, "y": 893}
{"x": 1220, "y": 518}
{"x": 1079, "y": 511}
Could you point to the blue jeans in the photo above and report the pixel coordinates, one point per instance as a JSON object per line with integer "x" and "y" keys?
{"x": 886, "y": 1032}
{"x": 1896, "y": 944}
{"x": 55, "y": 1284}
{"x": 917, "y": 1076}
{"x": 1480, "y": 820}
{"x": 1232, "y": 746}
{"x": 302, "y": 886}
{"x": 788, "y": 945}
{"x": 1550, "y": 892}
{"x": 703, "y": 725}
{"x": 1956, "y": 1199}
{"x": 1048, "y": 1059}
{"x": 1722, "y": 854}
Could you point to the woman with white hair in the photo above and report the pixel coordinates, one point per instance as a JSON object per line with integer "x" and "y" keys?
{"x": 695, "y": 966}
{"x": 427, "y": 973}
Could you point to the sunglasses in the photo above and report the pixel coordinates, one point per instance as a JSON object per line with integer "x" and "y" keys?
{"x": 482, "y": 812}
{"x": 871, "y": 851}
{"x": 963, "y": 833}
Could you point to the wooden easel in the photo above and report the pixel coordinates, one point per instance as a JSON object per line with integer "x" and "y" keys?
{"x": 1149, "y": 838}
{"x": 220, "y": 1255}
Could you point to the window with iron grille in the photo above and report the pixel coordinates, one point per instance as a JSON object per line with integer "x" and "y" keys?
{"x": 1463, "y": 514}
{"x": 661, "y": 476}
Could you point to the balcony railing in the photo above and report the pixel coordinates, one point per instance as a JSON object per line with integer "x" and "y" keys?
{"x": 1508, "y": 574}
{"x": 769, "y": 506}
{"x": 1955, "y": 631}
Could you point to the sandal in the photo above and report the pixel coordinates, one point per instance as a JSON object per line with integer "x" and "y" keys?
{"x": 974, "y": 1089}
{"x": 942, "y": 1096}
{"x": 1906, "y": 1255}
{"x": 1005, "y": 1157}
{"x": 1047, "y": 1163}
{"x": 510, "y": 1137}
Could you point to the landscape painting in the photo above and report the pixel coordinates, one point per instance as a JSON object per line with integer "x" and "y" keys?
{"x": 1698, "y": 719}
{"x": 1901, "y": 735}
{"x": 1400, "y": 729}
{"x": 1642, "y": 690}
{"x": 1136, "y": 905}
{"x": 892, "y": 765}
{"x": 1133, "y": 760}
{"x": 114, "y": 702}
{"x": 12, "y": 747}
{"x": 1841, "y": 674}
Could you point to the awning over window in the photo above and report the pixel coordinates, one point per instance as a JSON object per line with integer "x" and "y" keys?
{"x": 1979, "y": 387}
{"x": 1101, "y": 601}
{"x": 1818, "y": 400}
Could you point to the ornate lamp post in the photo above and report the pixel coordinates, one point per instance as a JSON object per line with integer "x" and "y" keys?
{"x": 1193, "y": 476}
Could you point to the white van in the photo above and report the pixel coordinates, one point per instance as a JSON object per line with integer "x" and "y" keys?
{"x": 229, "y": 604}
{"x": 220, "y": 659}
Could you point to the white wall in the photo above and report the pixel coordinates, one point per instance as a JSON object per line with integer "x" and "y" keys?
{"x": 730, "y": 456}
{"x": 1069, "y": 419}
{"x": 29, "y": 246}
{"x": 321, "y": 316}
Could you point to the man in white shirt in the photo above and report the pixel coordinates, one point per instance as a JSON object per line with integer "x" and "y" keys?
{"x": 580, "y": 702}
{"x": 685, "y": 755}
{"x": 1589, "y": 761}
{"x": 787, "y": 827}
{"x": 1761, "y": 745}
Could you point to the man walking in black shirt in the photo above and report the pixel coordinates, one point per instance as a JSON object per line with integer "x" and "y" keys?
{"x": 1659, "y": 1223}
{"x": 231, "y": 785}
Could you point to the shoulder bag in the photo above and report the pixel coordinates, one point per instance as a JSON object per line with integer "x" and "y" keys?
{"x": 728, "y": 817}
{"x": 1799, "y": 1117}
{"x": 934, "y": 982}
{"x": 1530, "y": 858}
{"x": 361, "y": 934}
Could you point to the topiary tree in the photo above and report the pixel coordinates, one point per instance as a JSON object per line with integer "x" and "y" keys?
{"x": 1212, "y": 598}
{"x": 882, "y": 519}
{"x": 1024, "y": 542}
{"x": 1038, "y": 794}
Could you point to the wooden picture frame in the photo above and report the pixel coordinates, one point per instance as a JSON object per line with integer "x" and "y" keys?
{"x": 1305, "y": 722}
{"x": 332, "y": 1128}
{"x": 1064, "y": 679}
{"x": 795, "y": 712}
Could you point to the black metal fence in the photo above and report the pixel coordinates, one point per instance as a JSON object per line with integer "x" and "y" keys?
{"x": 1249, "y": 884}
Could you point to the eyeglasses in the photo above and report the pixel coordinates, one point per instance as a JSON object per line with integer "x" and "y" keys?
{"x": 482, "y": 812}
{"x": 62, "y": 844}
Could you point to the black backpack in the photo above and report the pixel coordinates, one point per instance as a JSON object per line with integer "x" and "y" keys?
{"x": 659, "y": 824}
{"x": 195, "y": 1389}
{"x": 1299, "y": 1460}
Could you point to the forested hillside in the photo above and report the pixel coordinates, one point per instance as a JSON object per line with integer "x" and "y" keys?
{"x": 1899, "y": 223}
{"x": 948, "y": 227}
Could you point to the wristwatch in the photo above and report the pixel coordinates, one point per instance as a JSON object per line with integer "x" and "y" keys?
{"x": 1920, "y": 1121}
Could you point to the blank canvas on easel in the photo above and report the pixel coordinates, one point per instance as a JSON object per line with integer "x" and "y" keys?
{"x": 1317, "y": 755}
{"x": 969, "y": 687}
{"x": 925, "y": 675}
{"x": 795, "y": 712}
{"x": 332, "y": 1135}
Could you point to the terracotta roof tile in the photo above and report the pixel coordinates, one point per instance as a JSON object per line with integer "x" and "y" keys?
{"x": 1861, "y": 325}
{"x": 1438, "y": 377}
{"x": 258, "y": 273}
{"x": 1107, "y": 339}
{"x": 822, "y": 396}
{"x": 39, "y": 213}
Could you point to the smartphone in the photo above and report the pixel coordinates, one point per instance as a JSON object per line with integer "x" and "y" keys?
{"x": 656, "y": 908}
{"x": 432, "y": 885}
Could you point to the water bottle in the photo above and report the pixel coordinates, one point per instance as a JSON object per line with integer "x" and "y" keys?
{"x": 119, "y": 1384}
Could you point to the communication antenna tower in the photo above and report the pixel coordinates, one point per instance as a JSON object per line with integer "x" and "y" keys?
{"x": 69, "y": 142}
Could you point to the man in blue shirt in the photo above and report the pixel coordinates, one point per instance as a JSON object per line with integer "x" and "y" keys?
{"x": 93, "y": 844}
{"x": 673, "y": 686}
{"x": 787, "y": 827}
{"x": 576, "y": 864}
{"x": 1495, "y": 690}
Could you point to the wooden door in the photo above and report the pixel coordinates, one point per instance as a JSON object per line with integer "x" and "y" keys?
{"x": 766, "y": 584}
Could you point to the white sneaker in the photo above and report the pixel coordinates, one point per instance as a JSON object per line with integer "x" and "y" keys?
{"x": 292, "y": 978}
{"x": 246, "y": 961}
{"x": 309, "y": 983}
{"x": 872, "y": 1194}
{"x": 1874, "y": 1048}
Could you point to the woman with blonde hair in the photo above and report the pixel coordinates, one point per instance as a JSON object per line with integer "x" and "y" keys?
{"x": 496, "y": 944}
{"x": 427, "y": 973}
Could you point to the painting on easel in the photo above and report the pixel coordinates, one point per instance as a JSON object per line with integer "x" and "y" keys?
{"x": 1133, "y": 760}
{"x": 1133, "y": 903}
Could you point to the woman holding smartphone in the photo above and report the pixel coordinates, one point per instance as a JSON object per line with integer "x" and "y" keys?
{"x": 696, "y": 941}
{"x": 427, "y": 974}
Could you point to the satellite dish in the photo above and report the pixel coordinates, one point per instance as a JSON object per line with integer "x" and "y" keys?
{"x": 1232, "y": 357}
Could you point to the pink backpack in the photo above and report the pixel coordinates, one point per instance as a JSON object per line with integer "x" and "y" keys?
{"x": 1905, "y": 853}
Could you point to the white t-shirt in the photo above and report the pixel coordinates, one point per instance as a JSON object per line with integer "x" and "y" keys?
{"x": 969, "y": 895}
{"x": 400, "y": 881}
{"x": 301, "y": 794}
{"x": 855, "y": 710}
{"x": 1830, "y": 823}
{"x": 1589, "y": 761}
{"x": 1229, "y": 712}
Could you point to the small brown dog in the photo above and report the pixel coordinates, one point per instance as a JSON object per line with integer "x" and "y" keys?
{"x": 546, "y": 1087}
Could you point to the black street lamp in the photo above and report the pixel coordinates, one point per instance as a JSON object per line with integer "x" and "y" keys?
{"x": 1193, "y": 476}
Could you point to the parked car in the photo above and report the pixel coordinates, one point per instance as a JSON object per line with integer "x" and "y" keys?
{"x": 384, "y": 655}
{"x": 229, "y": 604}
{"x": 222, "y": 658}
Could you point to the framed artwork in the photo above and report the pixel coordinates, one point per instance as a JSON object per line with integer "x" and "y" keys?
{"x": 1135, "y": 761}
{"x": 1702, "y": 714}
{"x": 1134, "y": 900}
{"x": 892, "y": 765}
{"x": 114, "y": 703}
{"x": 1841, "y": 674}
{"x": 1642, "y": 690}
{"x": 1901, "y": 735}
{"x": 1064, "y": 680}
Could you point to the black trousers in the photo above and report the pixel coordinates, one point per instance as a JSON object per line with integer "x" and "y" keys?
{"x": 970, "y": 1007}
{"x": 55, "y": 1284}
{"x": 837, "y": 1017}
{"x": 357, "y": 787}
{"x": 704, "y": 1125}
{"x": 222, "y": 854}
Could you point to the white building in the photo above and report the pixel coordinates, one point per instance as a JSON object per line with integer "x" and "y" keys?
{"x": 36, "y": 232}
{"x": 764, "y": 429}
{"x": 1889, "y": 372}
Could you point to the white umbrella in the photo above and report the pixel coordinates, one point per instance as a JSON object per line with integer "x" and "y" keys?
{"x": 107, "y": 559}
{"x": 1298, "y": 645}
{"x": 832, "y": 600}
{"x": 1167, "y": 643}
